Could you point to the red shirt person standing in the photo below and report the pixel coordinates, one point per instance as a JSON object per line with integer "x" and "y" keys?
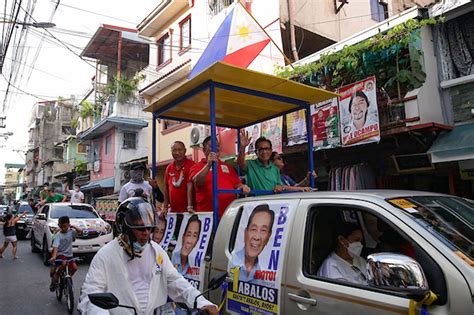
{"x": 201, "y": 175}
{"x": 178, "y": 190}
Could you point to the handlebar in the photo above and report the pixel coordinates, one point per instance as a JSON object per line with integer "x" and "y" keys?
{"x": 68, "y": 260}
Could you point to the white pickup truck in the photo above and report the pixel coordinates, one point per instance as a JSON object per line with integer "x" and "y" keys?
{"x": 418, "y": 254}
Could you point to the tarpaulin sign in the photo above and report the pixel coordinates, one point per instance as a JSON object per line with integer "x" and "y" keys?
{"x": 325, "y": 122}
{"x": 271, "y": 129}
{"x": 193, "y": 239}
{"x": 296, "y": 127}
{"x": 164, "y": 230}
{"x": 359, "y": 113}
{"x": 257, "y": 258}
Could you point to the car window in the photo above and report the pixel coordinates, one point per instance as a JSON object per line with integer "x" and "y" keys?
{"x": 328, "y": 253}
{"x": 26, "y": 208}
{"x": 73, "y": 211}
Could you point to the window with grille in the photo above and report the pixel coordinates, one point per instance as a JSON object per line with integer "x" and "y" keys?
{"x": 129, "y": 140}
{"x": 185, "y": 34}
{"x": 164, "y": 49}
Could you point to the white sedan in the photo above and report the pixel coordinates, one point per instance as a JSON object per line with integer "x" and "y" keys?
{"x": 96, "y": 232}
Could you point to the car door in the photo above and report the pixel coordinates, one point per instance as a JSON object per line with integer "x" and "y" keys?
{"x": 41, "y": 225}
{"x": 305, "y": 292}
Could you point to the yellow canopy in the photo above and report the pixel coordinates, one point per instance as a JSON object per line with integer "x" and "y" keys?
{"x": 234, "y": 107}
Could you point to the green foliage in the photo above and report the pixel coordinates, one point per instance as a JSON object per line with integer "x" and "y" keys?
{"x": 392, "y": 57}
{"x": 80, "y": 167}
{"x": 74, "y": 122}
{"x": 124, "y": 89}
{"x": 86, "y": 109}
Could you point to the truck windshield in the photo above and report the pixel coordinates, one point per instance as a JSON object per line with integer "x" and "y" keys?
{"x": 76, "y": 212}
{"x": 451, "y": 219}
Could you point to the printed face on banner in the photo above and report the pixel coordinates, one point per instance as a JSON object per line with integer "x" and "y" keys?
{"x": 254, "y": 132}
{"x": 359, "y": 113}
{"x": 296, "y": 127}
{"x": 325, "y": 122}
{"x": 164, "y": 230}
{"x": 256, "y": 263}
{"x": 271, "y": 129}
{"x": 193, "y": 239}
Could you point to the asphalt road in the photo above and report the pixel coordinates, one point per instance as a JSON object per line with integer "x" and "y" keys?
{"x": 24, "y": 283}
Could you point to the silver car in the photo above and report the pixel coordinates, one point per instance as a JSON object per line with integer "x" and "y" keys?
{"x": 418, "y": 253}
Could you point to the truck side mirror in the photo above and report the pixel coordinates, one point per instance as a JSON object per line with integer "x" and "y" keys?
{"x": 399, "y": 273}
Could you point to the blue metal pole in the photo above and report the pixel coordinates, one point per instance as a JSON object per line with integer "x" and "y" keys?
{"x": 215, "y": 201}
{"x": 153, "y": 146}
{"x": 238, "y": 149}
{"x": 309, "y": 132}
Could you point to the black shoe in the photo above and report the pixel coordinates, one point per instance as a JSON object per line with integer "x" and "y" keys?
{"x": 52, "y": 287}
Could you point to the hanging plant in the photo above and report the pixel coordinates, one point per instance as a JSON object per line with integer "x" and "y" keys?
{"x": 86, "y": 109}
{"x": 124, "y": 89}
{"x": 391, "y": 56}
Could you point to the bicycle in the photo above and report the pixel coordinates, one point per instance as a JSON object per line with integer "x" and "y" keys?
{"x": 64, "y": 285}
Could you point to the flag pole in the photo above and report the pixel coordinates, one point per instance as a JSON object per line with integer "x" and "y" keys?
{"x": 266, "y": 33}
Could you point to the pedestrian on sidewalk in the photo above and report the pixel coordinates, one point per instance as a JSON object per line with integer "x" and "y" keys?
{"x": 9, "y": 231}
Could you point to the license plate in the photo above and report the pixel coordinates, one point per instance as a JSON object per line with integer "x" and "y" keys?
{"x": 20, "y": 227}
{"x": 84, "y": 247}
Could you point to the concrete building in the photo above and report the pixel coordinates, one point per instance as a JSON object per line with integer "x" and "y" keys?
{"x": 116, "y": 131}
{"x": 50, "y": 123}
{"x": 14, "y": 182}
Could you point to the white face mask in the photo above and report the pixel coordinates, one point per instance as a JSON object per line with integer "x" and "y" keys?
{"x": 354, "y": 249}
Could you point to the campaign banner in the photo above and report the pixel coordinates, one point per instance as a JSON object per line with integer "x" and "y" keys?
{"x": 191, "y": 246}
{"x": 271, "y": 129}
{"x": 296, "y": 127}
{"x": 254, "y": 133}
{"x": 257, "y": 258}
{"x": 359, "y": 113}
{"x": 325, "y": 122}
{"x": 164, "y": 230}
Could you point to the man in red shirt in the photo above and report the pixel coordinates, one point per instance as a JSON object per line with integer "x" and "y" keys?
{"x": 178, "y": 189}
{"x": 201, "y": 175}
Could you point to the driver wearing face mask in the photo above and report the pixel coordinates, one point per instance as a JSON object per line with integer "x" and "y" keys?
{"x": 345, "y": 262}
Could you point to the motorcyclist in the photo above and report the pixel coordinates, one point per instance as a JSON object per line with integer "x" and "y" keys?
{"x": 138, "y": 272}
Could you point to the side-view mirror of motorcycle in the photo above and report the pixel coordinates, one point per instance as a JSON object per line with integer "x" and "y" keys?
{"x": 107, "y": 301}
{"x": 215, "y": 283}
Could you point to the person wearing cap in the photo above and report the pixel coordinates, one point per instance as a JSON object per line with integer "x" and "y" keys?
{"x": 137, "y": 181}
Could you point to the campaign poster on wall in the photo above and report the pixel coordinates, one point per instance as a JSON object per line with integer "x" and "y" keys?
{"x": 296, "y": 127}
{"x": 164, "y": 230}
{"x": 191, "y": 246}
{"x": 257, "y": 258}
{"x": 254, "y": 133}
{"x": 325, "y": 122}
{"x": 359, "y": 113}
{"x": 271, "y": 129}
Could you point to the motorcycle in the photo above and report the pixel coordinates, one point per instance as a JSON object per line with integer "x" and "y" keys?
{"x": 109, "y": 301}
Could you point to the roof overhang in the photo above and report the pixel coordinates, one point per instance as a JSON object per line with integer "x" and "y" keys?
{"x": 456, "y": 145}
{"x": 161, "y": 16}
{"x": 112, "y": 122}
{"x": 103, "y": 183}
{"x": 104, "y": 44}
{"x": 171, "y": 77}
{"x": 242, "y": 97}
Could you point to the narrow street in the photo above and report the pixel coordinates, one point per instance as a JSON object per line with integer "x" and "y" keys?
{"x": 24, "y": 284}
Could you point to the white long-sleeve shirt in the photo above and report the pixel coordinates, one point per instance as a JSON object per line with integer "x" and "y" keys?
{"x": 108, "y": 273}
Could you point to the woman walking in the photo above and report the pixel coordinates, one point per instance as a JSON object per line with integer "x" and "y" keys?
{"x": 10, "y": 233}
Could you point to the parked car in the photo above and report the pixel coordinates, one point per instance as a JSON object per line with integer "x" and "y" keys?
{"x": 416, "y": 245}
{"x": 96, "y": 232}
{"x": 23, "y": 226}
{"x": 3, "y": 212}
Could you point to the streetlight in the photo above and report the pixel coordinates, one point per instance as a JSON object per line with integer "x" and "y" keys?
{"x": 34, "y": 24}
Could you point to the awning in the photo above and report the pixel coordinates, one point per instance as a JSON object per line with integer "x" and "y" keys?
{"x": 112, "y": 122}
{"x": 104, "y": 183}
{"x": 455, "y": 145}
{"x": 242, "y": 97}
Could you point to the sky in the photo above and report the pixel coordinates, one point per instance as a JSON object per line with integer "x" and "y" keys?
{"x": 56, "y": 71}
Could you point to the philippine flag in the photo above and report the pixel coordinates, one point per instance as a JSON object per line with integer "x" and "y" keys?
{"x": 238, "y": 41}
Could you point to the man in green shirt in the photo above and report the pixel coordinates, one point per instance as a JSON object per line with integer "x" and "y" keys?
{"x": 261, "y": 173}
{"x": 55, "y": 197}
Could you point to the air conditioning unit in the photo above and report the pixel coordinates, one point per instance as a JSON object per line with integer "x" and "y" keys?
{"x": 198, "y": 134}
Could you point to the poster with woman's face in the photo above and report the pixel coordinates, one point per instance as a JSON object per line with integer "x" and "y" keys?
{"x": 296, "y": 128}
{"x": 325, "y": 124}
{"x": 271, "y": 129}
{"x": 359, "y": 113}
{"x": 254, "y": 133}
{"x": 191, "y": 246}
